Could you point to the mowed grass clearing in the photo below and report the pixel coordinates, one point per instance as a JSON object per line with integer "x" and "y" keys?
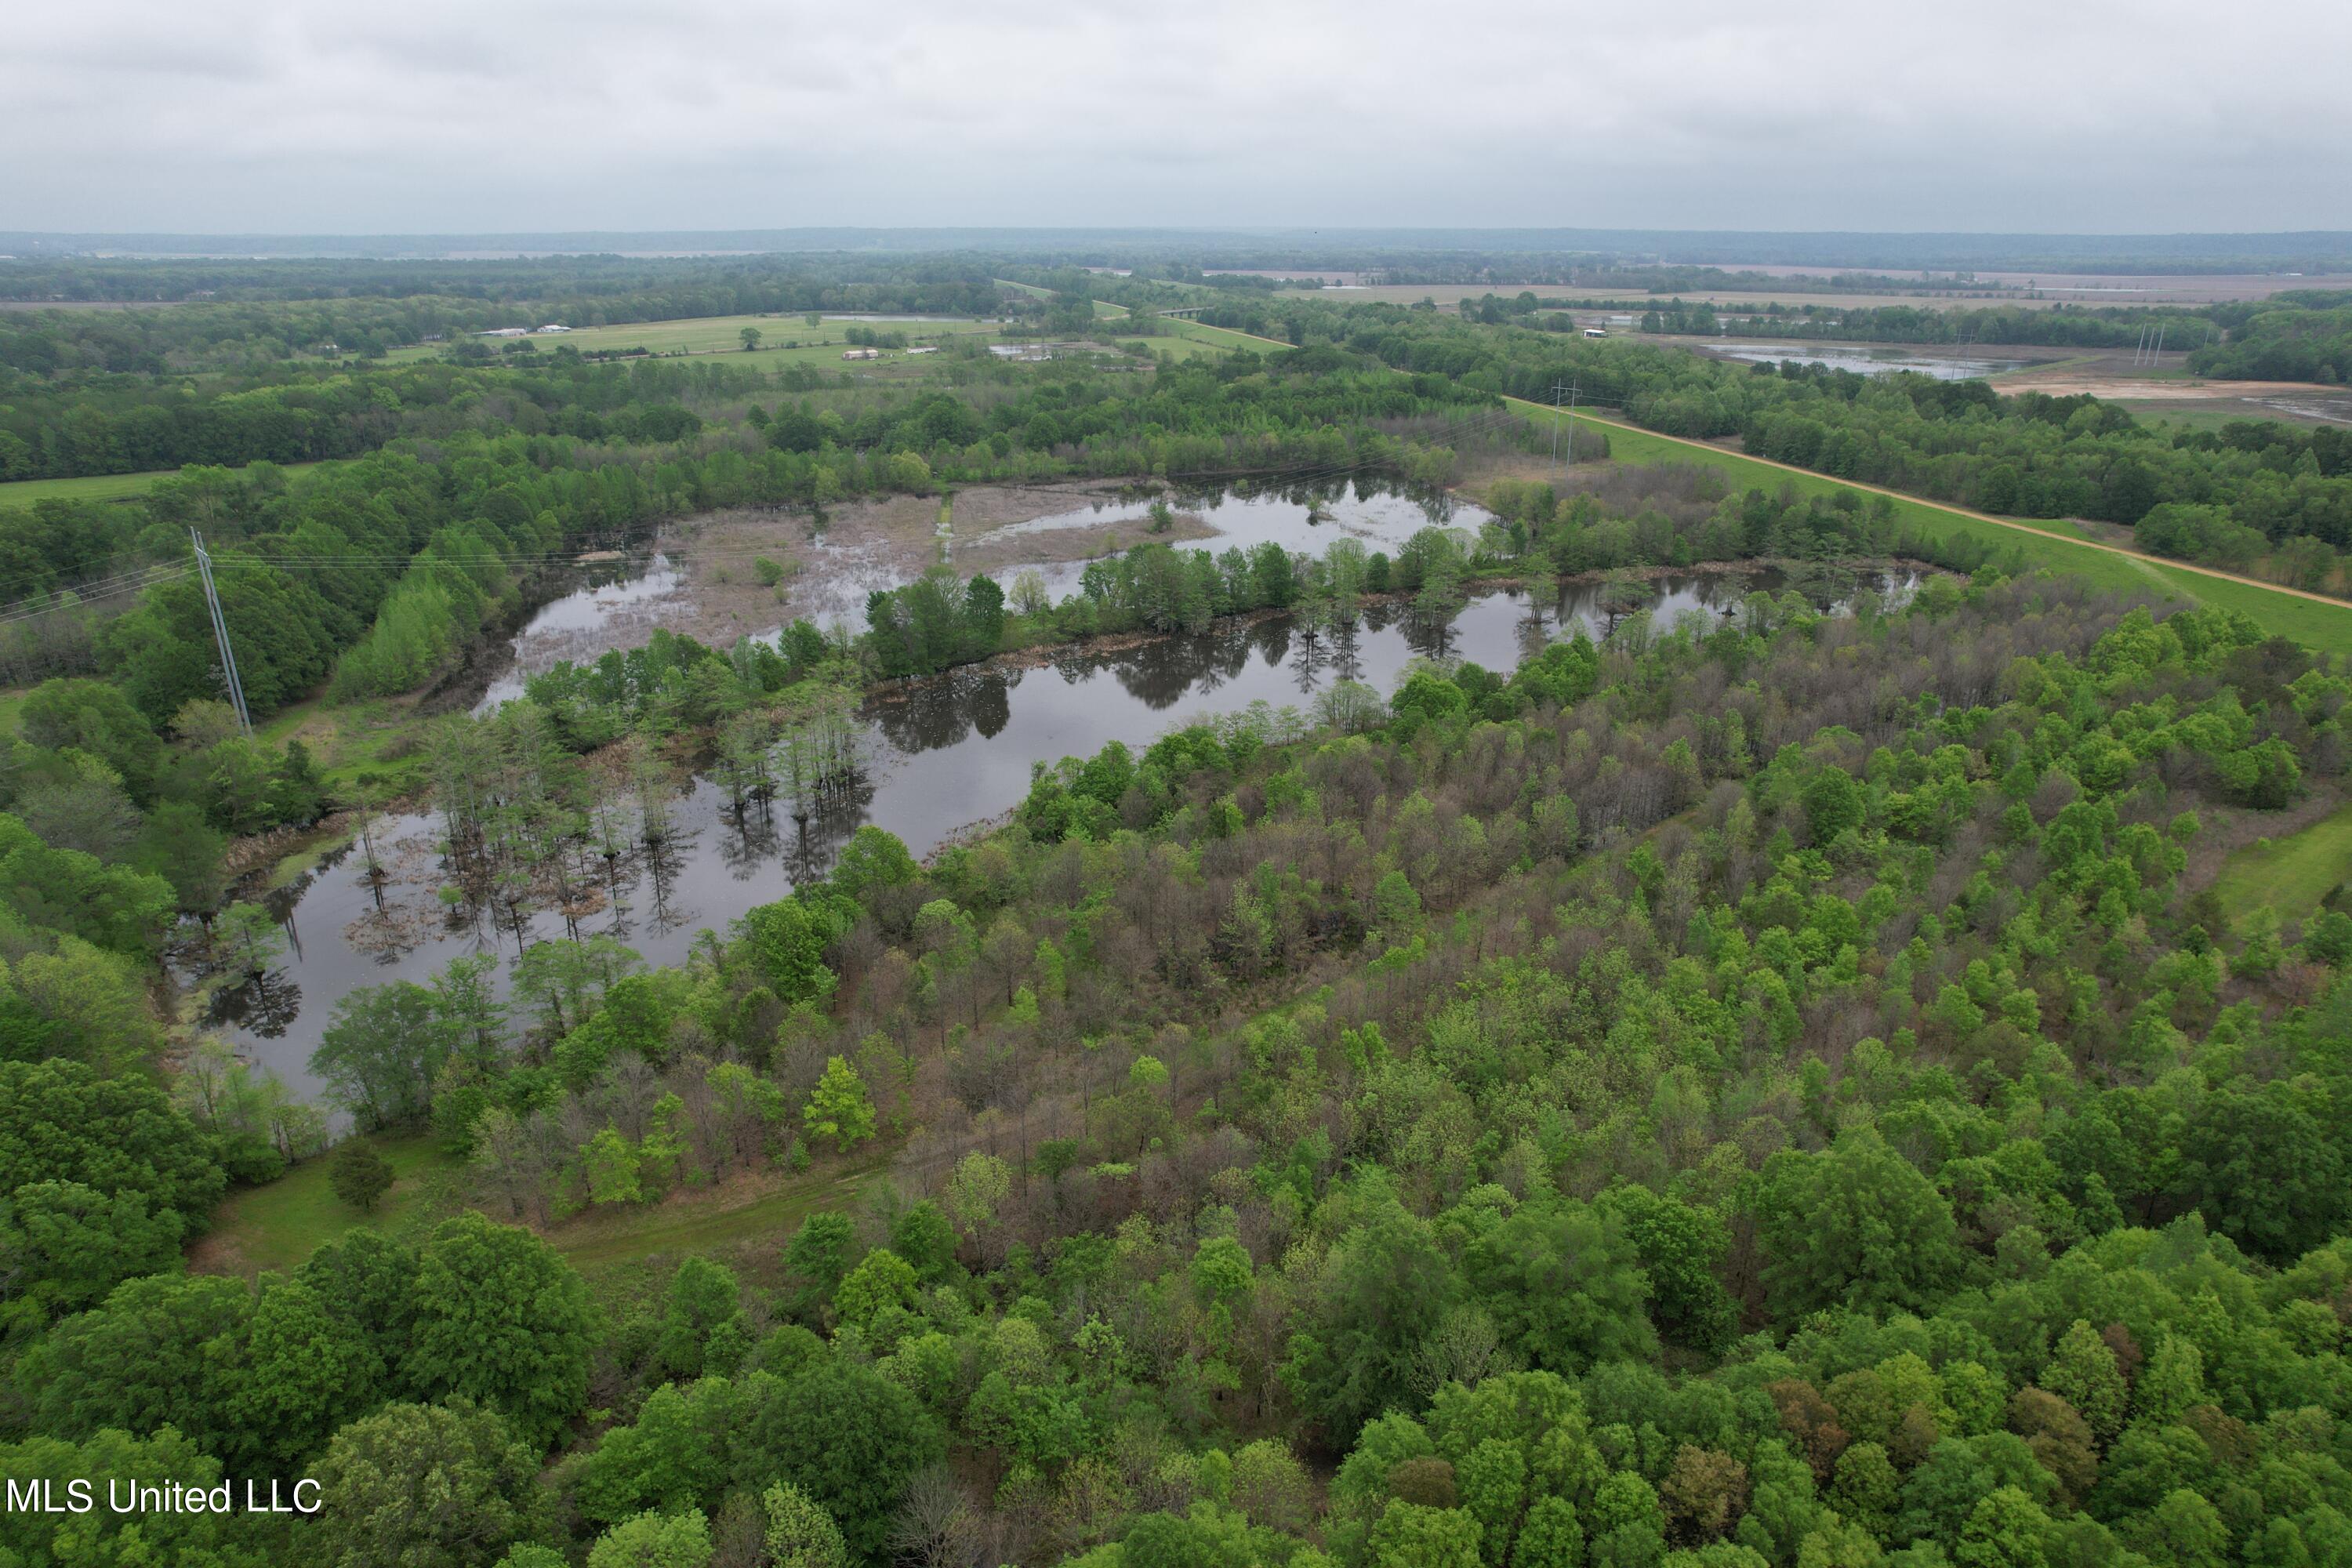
{"x": 2289, "y": 875}
{"x": 100, "y": 487}
{"x": 278, "y": 1225}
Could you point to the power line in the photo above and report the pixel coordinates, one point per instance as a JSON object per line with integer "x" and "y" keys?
{"x": 220, "y": 630}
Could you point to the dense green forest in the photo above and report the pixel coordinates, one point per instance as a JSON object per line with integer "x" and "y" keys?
{"x": 1783, "y": 1088}
{"x": 2301, "y": 335}
{"x": 1764, "y": 1095}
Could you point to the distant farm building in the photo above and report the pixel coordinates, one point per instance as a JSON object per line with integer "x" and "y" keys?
{"x": 505, "y": 332}
{"x": 1595, "y": 333}
{"x": 555, "y": 327}
{"x": 926, "y": 349}
{"x": 861, "y": 354}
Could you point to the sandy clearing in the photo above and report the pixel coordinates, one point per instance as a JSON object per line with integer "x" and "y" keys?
{"x": 2144, "y": 389}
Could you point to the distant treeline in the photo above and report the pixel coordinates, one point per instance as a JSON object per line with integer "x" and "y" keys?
{"x": 383, "y": 571}
{"x": 2225, "y": 500}
{"x": 2304, "y": 335}
{"x": 2057, "y": 326}
{"x": 234, "y": 312}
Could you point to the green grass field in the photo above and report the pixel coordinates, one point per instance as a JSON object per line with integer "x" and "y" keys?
{"x": 2323, "y": 626}
{"x": 723, "y": 334}
{"x": 2290, "y": 875}
{"x": 1219, "y": 339}
{"x": 97, "y": 487}
{"x": 279, "y": 1224}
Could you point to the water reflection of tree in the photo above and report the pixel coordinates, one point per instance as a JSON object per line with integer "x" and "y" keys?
{"x": 1824, "y": 584}
{"x": 1534, "y": 627}
{"x": 943, "y": 712}
{"x": 265, "y": 1004}
{"x": 1347, "y": 654}
{"x": 992, "y": 707}
{"x": 1429, "y": 636}
{"x": 1160, "y": 675}
{"x": 663, "y": 864}
{"x": 751, "y": 837}
{"x": 1314, "y": 655}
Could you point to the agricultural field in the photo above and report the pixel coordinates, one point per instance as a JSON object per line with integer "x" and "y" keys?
{"x": 723, "y": 334}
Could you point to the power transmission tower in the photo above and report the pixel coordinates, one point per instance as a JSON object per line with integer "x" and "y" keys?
{"x": 1556, "y": 389}
{"x": 220, "y": 631}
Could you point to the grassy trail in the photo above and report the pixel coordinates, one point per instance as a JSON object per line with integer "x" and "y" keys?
{"x": 704, "y": 1222}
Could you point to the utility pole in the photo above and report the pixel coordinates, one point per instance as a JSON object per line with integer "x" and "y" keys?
{"x": 1570, "y": 390}
{"x": 220, "y": 631}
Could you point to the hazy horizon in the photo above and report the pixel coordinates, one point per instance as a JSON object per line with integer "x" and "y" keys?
{"x": 291, "y": 117}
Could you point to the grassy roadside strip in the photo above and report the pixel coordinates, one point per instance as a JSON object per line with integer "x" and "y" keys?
{"x": 2314, "y": 620}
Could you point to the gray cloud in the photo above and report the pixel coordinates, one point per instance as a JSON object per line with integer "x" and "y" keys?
{"x": 312, "y": 115}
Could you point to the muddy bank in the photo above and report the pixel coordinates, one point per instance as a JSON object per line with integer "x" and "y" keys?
{"x": 746, "y": 571}
{"x": 829, "y": 570}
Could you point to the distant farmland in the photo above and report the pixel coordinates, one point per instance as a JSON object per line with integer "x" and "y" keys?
{"x": 719, "y": 334}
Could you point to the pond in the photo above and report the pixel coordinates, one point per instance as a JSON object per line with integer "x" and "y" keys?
{"x": 1302, "y": 520}
{"x": 946, "y": 756}
{"x": 1870, "y": 359}
{"x": 616, "y": 603}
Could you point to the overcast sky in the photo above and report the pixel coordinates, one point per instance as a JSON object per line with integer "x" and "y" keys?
{"x": 326, "y": 116}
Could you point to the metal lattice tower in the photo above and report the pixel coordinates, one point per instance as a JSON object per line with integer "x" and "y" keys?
{"x": 220, "y": 632}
